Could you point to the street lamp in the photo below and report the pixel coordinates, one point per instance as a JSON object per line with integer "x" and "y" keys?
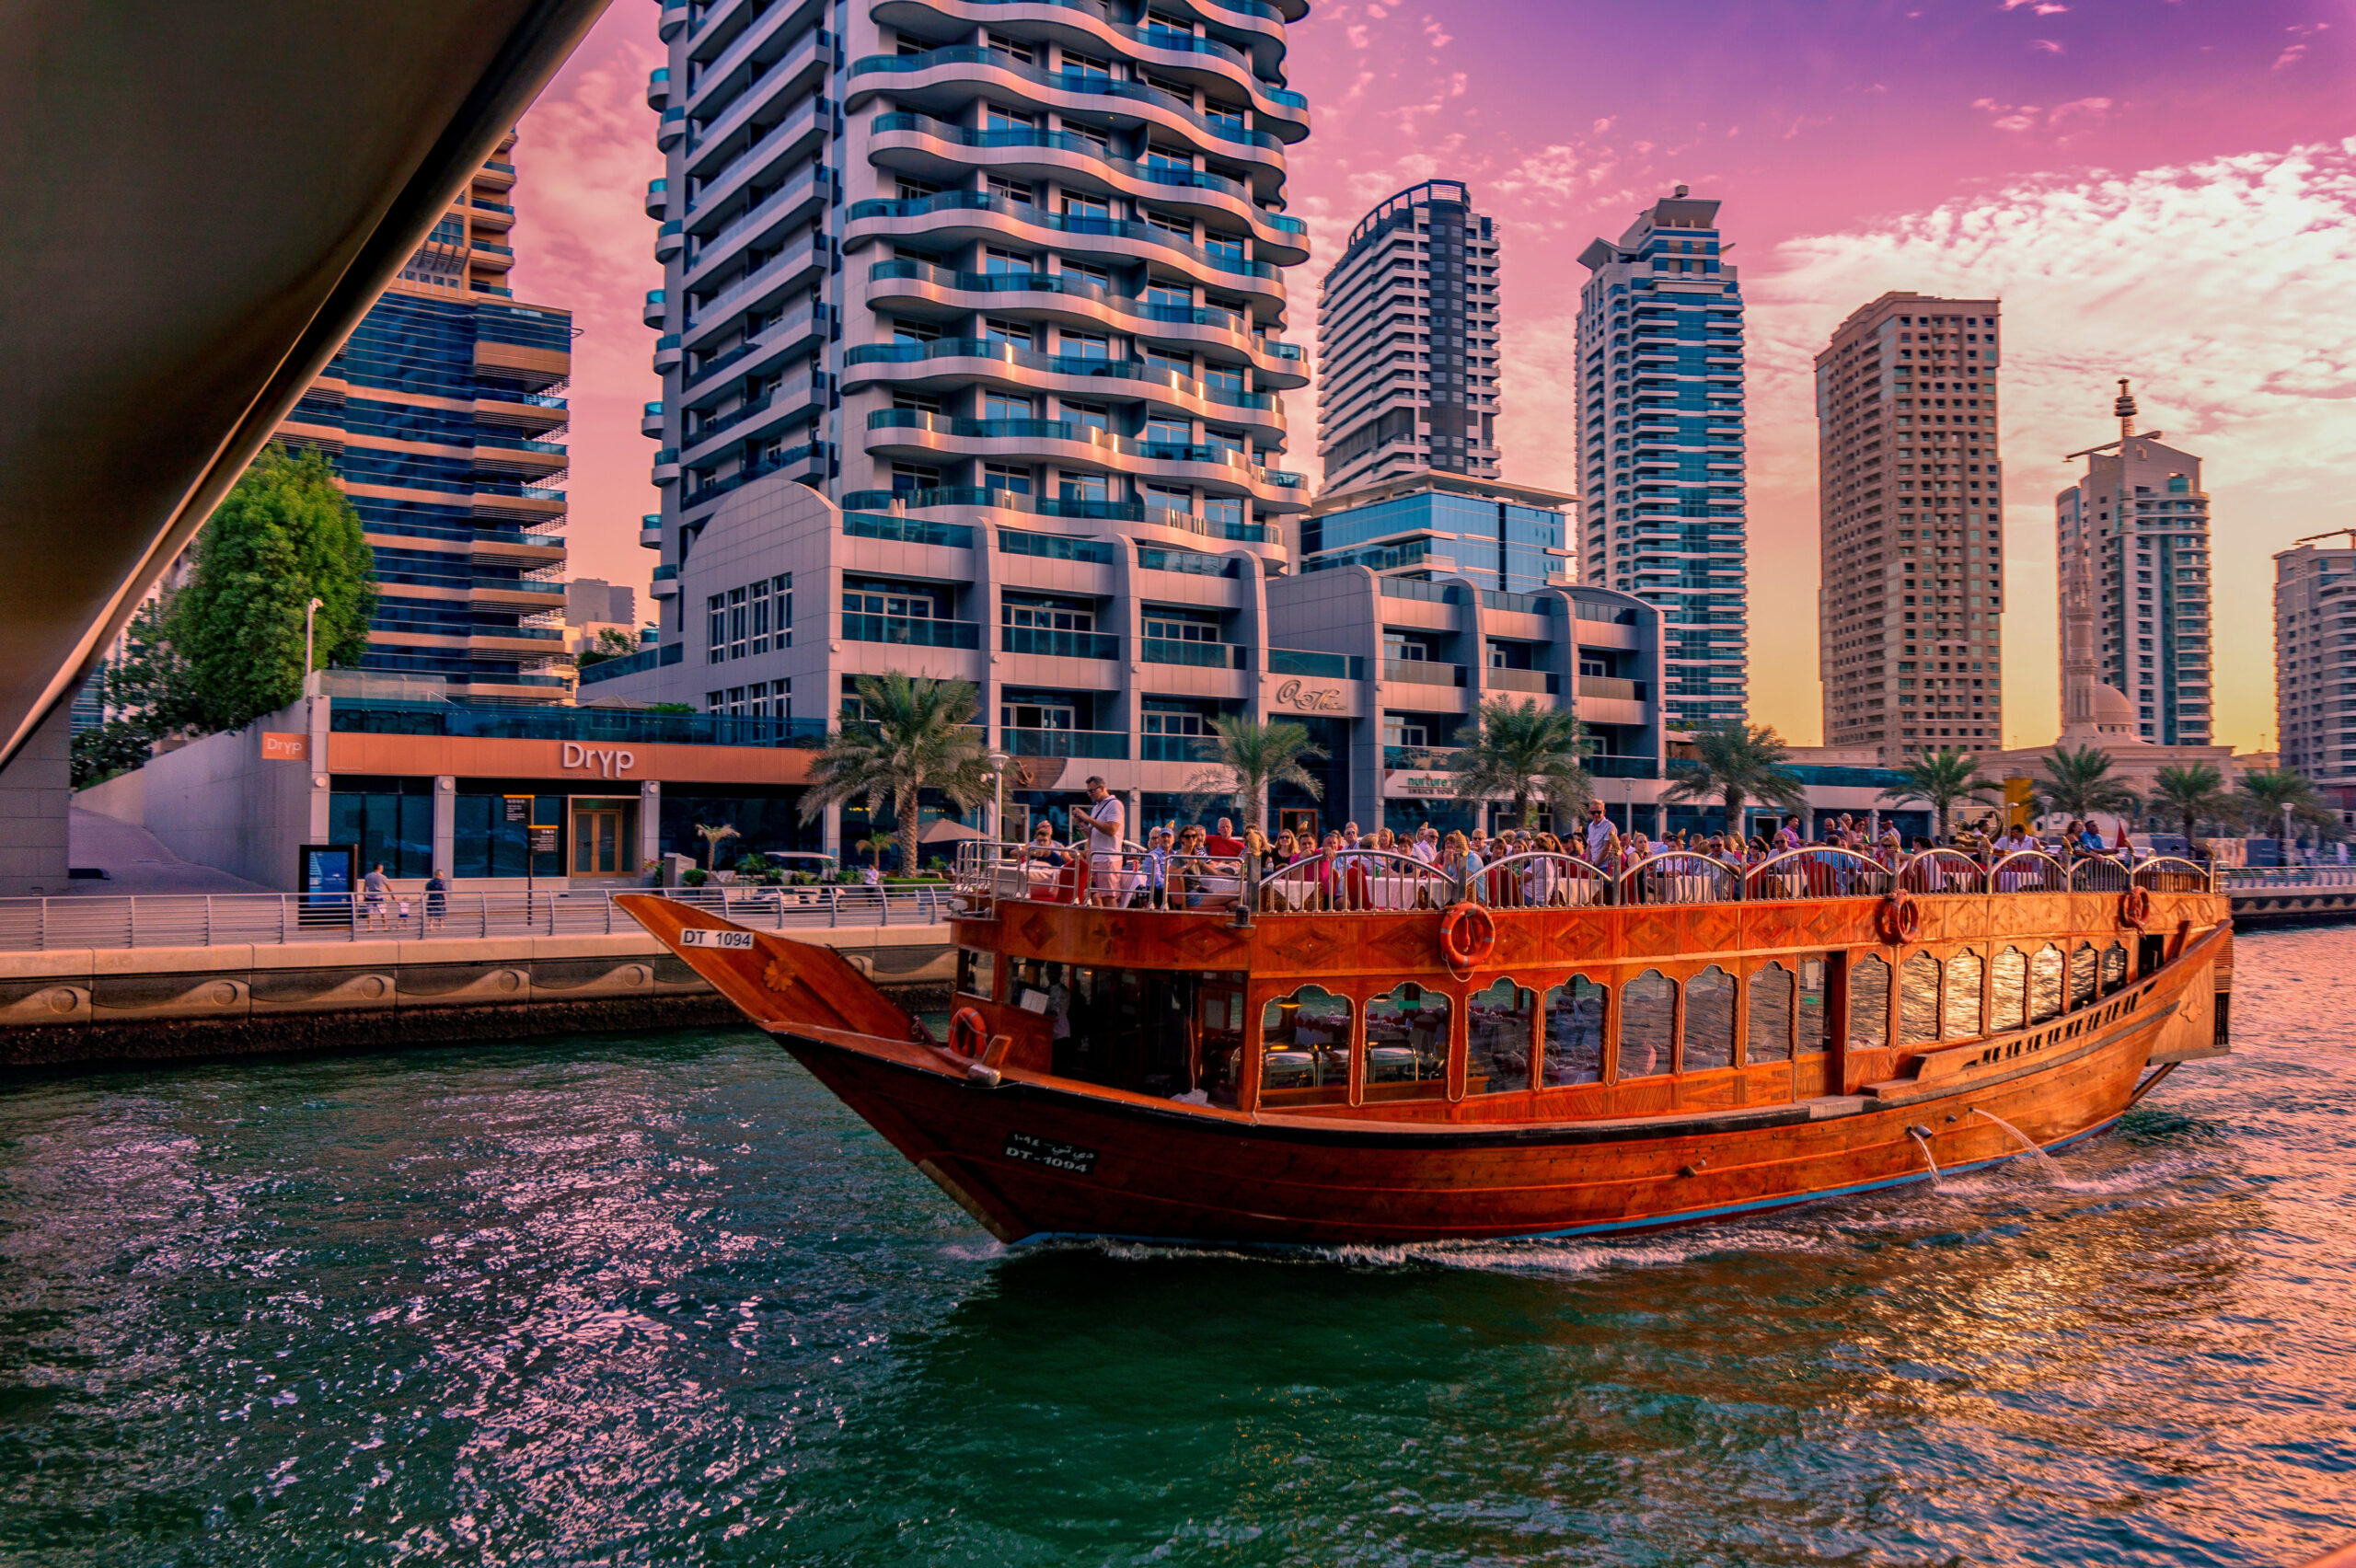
{"x": 2286, "y": 837}
{"x": 997, "y": 762}
{"x": 310, "y": 616}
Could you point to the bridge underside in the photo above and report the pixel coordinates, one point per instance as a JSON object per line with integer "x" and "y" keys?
{"x": 203, "y": 201}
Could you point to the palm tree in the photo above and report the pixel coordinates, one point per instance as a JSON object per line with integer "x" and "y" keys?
{"x": 2268, "y": 795}
{"x": 1507, "y": 748}
{"x": 1250, "y": 757}
{"x": 917, "y": 734}
{"x": 2078, "y": 784}
{"x": 1734, "y": 761}
{"x": 1939, "y": 779}
{"x": 2190, "y": 791}
{"x": 713, "y": 834}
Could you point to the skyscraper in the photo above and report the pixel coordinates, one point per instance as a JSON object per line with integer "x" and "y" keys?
{"x": 1407, "y": 342}
{"x": 1910, "y": 528}
{"x": 2138, "y": 521}
{"x": 2314, "y": 664}
{"x": 973, "y": 334}
{"x": 1660, "y": 433}
{"x": 440, "y": 413}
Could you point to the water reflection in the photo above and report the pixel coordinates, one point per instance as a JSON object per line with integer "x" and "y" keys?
{"x": 664, "y": 1300}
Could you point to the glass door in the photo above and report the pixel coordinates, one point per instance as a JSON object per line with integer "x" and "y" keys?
{"x": 596, "y": 842}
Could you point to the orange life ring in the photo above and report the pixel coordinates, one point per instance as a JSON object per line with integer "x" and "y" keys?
{"x": 1467, "y": 932}
{"x": 2135, "y": 908}
{"x": 968, "y": 1034}
{"x": 1901, "y": 918}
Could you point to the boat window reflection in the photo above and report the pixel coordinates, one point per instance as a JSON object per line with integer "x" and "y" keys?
{"x": 1406, "y": 1044}
{"x": 1498, "y": 1025}
{"x": 2009, "y": 984}
{"x": 2082, "y": 975}
{"x": 977, "y": 973}
{"x": 1709, "y": 1021}
{"x": 1962, "y": 1017}
{"x": 1574, "y": 1018}
{"x": 1769, "y": 1038}
{"x": 1647, "y": 1025}
{"x": 1305, "y": 1054}
{"x": 1918, "y": 1000}
{"x": 2045, "y": 985}
{"x": 1868, "y": 1004}
{"x": 2114, "y": 968}
{"x": 1814, "y": 1032}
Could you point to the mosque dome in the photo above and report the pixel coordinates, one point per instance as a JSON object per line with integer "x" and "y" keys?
{"x": 2114, "y": 715}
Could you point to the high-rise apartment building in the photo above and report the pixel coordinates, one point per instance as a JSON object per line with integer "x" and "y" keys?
{"x": 441, "y": 414}
{"x": 1910, "y": 528}
{"x": 1660, "y": 434}
{"x": 2314, "y": 664}
{"x": 2138, "y": 522}
{"x": 1407, "y": 342}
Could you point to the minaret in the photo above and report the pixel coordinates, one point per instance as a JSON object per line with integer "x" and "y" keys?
{"x": 2078, "y": 660}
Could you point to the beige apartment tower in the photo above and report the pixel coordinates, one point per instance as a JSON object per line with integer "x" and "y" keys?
{"x": 1910, "y": 609}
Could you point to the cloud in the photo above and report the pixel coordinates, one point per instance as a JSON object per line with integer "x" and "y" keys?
{"x": 2046, "y": 45}
{"x": 2177, "y": 276}
{"x": 2078, "y": 115}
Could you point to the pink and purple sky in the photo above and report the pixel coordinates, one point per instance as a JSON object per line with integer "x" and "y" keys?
{"x": 2164, "y": 190}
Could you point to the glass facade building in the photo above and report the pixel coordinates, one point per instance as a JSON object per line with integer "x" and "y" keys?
{"x": 2315, "y": 665}
{"x": 1426, "y": 528}
{"x": 1407, "y": 342}
{"x": 1662, "y": 446}
{"x": 442, "y": 414}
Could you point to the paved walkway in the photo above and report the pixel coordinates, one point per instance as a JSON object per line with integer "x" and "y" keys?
{"x": 136, "y": 862}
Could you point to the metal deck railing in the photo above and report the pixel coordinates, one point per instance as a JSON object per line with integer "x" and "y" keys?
{"x": 147, "y": 920}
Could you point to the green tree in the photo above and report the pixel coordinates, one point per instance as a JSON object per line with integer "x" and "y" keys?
{"x": 1735, "y": 763}
{"x": 285, "y": 535}
{"x": 1511, "y": 749}
{"x": 2079, "y": 783}
{"x": 1940, "y": 779}
{"x": 2266, "y": 794}
{"x": 1250, "y": 757}
{"x": 611, "y": 642}
{"x": 149, "y": 693}
{"x": 915, "y": 735}
{"x": 2192, "y": 793}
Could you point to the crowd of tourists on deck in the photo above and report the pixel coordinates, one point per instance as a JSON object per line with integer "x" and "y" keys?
{"x": 1194, "y": 867}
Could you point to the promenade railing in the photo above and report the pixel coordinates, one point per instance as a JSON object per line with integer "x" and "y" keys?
{"x": 150, "y": 920}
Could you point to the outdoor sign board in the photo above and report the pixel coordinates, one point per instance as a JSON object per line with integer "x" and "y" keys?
{"x": 280, "y": 745}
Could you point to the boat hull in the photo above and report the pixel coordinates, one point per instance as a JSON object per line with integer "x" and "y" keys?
{"x": 1028, "y": 1160}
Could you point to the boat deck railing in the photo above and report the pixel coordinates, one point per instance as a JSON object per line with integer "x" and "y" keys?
{"x": 1377, "y": 881}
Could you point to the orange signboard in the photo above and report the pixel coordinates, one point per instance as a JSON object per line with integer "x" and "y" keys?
{"x": 281, "y": 746}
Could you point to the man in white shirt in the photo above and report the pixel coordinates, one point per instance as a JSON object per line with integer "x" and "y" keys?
{"x": 1599, "y": 831}
{"x": 1105, "y": 821}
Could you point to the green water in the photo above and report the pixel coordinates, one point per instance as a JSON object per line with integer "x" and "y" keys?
{"x": 660, "y": 1300}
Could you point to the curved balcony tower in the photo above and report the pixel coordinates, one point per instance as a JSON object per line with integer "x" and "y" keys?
{"x": 970, "y": 260}
{"x": 1407, "y": 344}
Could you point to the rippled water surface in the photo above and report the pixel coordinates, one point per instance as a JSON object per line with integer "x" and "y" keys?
{"x": 661, "y": 1299}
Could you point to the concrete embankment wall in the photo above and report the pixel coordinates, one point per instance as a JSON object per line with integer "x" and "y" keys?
{"x": 2255, "y": 911}
{"x": 89, "y": 1006}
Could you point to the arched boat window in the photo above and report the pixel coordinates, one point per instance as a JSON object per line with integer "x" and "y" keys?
{"x": 1868, "y": 1004}
{"x": 1406, "y": 1044}
{"x": 1769, "y": 1038}
{"x": 1647, "y": 1025}
{"x": 1815, "y": 1030}
{"x": 2045, "y": 985}
{"x": 1499, "y": 1023}
{"x": 1962, "y": 1016}
{"x": 2009, "y": 981}
{"x": 1305, "y": 1054}
{"x": 2114, "y": 968}
{"x": 1575, "y": 1019}
{"x": 1709, "y": 1021}
{"x": 1918, "y": 1000}
{"x": 2082, "y": 975}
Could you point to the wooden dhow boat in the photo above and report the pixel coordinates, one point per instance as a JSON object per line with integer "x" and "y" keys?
{"x": 1369, "y": 1050}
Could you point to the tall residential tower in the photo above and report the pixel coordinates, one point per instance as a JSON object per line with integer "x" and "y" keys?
{"x": 1660, "y": 433}
{"x": 2314, "y": 664}
{"x": 1407, "y": 342}
{"x": 441, "y": 413}
{"x": 1910, "y": 528}
{"x": 2138, "y": 522}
